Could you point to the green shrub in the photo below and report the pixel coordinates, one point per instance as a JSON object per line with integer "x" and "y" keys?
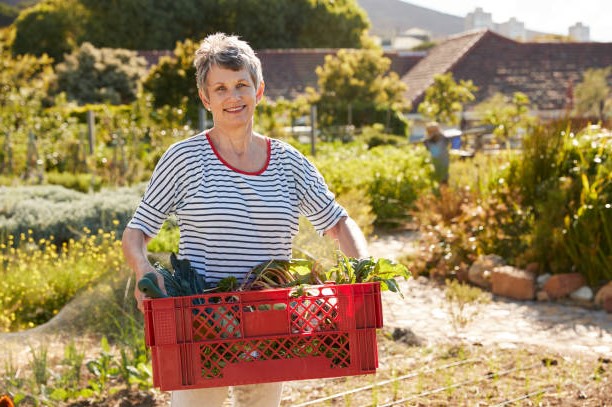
{"x": 167, "y": 240}
{"x": 78, "y": 182}
{"x": 391, "y": 177}
{"x": 105, "y": 75}
{"x": 566, "y": 178}
{"x": 64, "y": 214}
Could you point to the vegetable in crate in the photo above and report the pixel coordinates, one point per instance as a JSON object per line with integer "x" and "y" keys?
{"x": 180, "y": 282}
{"x": 299, "y": 272}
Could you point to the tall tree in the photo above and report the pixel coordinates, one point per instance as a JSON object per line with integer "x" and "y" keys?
{"x": 58, "y": 26}
{"x": 444, "y": 99}
{"x": 358, "y": 80}
{"x": 506, "y": 115}
{"x": 53, "y": 27}
{"x": 593, "y": 96}
{"x": 105, "y": 75}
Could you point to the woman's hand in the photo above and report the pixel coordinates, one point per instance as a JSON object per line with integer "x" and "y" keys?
{"x": 134, "y": 243}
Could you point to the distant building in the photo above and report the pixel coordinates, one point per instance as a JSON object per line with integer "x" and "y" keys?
{"x": 479, "y": 19}
{"x": 409, "y": 39}
{"x": 580, "y": 33}
{"x": 514, "y": 29}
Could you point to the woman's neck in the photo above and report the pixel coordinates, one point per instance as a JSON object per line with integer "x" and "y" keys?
{"x": 235, "y": 141}
{"x": 245, "y": 151}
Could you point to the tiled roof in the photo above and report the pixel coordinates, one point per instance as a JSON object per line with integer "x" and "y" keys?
{"x": 544, "y": 71}
{"x": 153, "y": 56}
{"x": 287, "y": 72}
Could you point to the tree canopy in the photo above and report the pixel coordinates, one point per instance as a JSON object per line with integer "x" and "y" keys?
{"x": 105, "y": 75}
{"x": 445, "y": 98}
{"x": 55, "y": 27}
{"x": 359, "y": 80}
{"x": 593, "y": 96}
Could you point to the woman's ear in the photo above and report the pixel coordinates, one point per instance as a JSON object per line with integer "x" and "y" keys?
{"x": 260, "y": 91}
{"x": 204, "y": 99}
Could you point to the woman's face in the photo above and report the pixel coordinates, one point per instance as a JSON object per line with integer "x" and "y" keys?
{"x": 232, "y": 96}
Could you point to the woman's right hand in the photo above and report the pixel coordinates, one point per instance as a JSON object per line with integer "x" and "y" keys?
{"x": 139, "y": 295}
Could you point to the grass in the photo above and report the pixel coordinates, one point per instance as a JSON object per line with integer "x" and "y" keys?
{"x": 441, "y": 374}
{"x": 464, "y": 375}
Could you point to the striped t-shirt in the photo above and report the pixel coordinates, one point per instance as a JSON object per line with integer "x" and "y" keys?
{"x": 230, "y": 220}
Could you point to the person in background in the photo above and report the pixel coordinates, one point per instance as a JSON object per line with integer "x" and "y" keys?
{"x": 236, "y": 194}
{"x": 438, "y": 147}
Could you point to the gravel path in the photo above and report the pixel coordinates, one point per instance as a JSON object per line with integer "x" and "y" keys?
{"x": 507, "y": 323}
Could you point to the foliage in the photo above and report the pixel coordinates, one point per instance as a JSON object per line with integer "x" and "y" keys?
{"x": 550, "y": 205}
{"x": 58, "y": 214}
{"x": 462, "y": 302}
{"x": 566, "y": 177}
{"x": 79, "y": 182}
{"x": 391, "y": 178}
{"x": 24, "y": 81}
{"x": 444, "y": 99}
{"x": 507, "y": 116}
{"x": 54, "y": 274}
{"x": 593, "y": 95}
{"x": 56, "y": 27}
{"x": 91, "y": 75}
{"x": 460, "y": 225}
{"x": 172, "y": 80}
{"x": 358, "y": 80}
{"x": 8, "y": 14}
{"x": 51, "y": 27}
{"x": 167, "y": 240}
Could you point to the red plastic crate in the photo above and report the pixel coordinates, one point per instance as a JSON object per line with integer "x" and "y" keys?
{"x": 251, "y": 337}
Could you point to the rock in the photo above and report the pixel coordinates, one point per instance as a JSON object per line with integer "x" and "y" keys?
{"x": 480, "y": 271}
{"x": 607, "y": 305}
{"x": 542, "y": 296}
{"x": 542, "y": 279}
{"x": 584, "y": 293}
{"x": 561, "y": 285}
{"x": 603, "y": 293}
{"x": 511, "y": 282}
{"x": 533, "y": 268}
{"x": 406, "y": 336}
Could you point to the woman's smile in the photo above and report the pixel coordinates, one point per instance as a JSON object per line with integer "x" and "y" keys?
{"x": 231, "y": 96}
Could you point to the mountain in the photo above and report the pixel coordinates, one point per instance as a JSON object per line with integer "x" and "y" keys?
{"x": 17, "y": 2}
{"x": 390, "y": 17}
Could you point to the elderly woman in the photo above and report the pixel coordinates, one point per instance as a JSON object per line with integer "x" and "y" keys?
{"x": 237, "y": 195}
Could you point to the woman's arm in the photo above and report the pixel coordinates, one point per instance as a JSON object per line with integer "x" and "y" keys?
{"x": 134, "y": 243}
{"x": 350, "y": 238}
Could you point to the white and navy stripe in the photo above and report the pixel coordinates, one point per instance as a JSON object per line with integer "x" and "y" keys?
{"x": 230, "y": 220}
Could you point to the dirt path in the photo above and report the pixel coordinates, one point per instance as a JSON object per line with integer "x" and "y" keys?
{"x": 506, "y": 323}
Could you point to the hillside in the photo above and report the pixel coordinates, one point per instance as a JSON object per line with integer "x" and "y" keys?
{"x": 18, "y": 2}
{"x": 389, "y": 17}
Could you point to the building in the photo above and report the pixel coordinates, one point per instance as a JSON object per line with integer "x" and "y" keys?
{"x": 545, "y": 72}
{"x": 514, "y": 29}
{"x": 580, "y": 33}
{"x": 479, "y": 19}
{"x": 288, "y": 72}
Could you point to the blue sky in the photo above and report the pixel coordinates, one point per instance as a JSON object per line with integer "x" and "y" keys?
{"x": 550, "y": 16}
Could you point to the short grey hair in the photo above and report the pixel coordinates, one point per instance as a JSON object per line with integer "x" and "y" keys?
{"x": 229, "y": 52}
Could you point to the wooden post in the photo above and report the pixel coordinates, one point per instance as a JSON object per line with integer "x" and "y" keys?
{"x": 313, "y": 128}
{"x": 91, "y": 130}
{"x": 202, "y": 119}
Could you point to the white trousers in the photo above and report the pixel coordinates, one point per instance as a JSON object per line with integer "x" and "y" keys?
{"x": 252, "y": 395}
